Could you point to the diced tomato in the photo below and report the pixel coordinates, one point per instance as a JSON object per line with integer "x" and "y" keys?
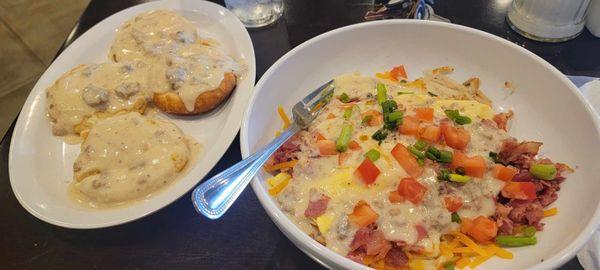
{"x": 504, "y": 173}
{"x": 430, "y": 133}
{"x": 343, "y": 157}
{"x": 410, "y": 125}
{"x": 453, "y": 203}
{"x": 395, "y": 197}
{"x": 330, "y": 116}
{"x": 424, "y": 114}
{"x": 406, "y": 160}
{"x": 465, "y": 224}
{"x": 398, "y": 73}
{"x": 457, "y": 138}
{"x": 318, "y": 136}
{"x": 474, "y": 166}
{"x": 376, "y": 118}
{"x": 363, "y": 214}
{"x": 326, "y": 147}
{"x": 421, "y": 232}
{"x": 519, "y": 190}
{"x": 353, "y": 145}
{"x": 367, "y": 171}
{"x": 411, "y": 190}
{"x": 481, "y": 228}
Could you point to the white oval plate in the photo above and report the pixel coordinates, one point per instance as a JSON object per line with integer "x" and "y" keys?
{"x": 548, "y": 108}
{"x": 40, "y": 165}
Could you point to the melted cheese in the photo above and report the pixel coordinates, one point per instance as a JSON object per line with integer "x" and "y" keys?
{"x": 127, "y": 157}
{"x": 469, "y": 108}
{"x": 88, "y": 89}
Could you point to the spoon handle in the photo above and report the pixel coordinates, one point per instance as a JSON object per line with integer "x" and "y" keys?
{"x": 213, "y": 197}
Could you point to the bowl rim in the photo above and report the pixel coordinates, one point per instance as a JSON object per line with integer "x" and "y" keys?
{"x": 305, "y": 242}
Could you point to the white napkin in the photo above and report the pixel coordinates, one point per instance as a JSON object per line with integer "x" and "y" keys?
{"x": 589, "y": 255}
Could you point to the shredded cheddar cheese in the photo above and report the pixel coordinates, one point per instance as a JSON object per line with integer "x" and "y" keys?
{"x": 278, "y": 183}
{"x": 279, "y": 166}
{"x": 284, "y": 117}
{"x": 550, "y": 212}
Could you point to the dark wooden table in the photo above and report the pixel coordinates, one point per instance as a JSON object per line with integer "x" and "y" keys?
{"x": 176, "y": 237}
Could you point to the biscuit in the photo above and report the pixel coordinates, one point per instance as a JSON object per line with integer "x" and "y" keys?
{"x": 129, "y": 156}
{"x": 171, "y": 102}
{"x": 95, "y": 90}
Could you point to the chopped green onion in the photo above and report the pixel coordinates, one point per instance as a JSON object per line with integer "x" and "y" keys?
{"x": 348, "y": 112}
{"x": 380, "y": 135}
{"x": 460, "y": 170}
{"x": 344, "y": 138}
{"x": 381, "y": 93}
{"x": 432, "y": 94}
{"x": 455, "y": 116}
{"x": 528, "y": 231}
{"x": 393, "y": 119}
{"x": 344, "y": 98}
{"x": 367, "y": 118}
{"x": 415, "y": 152}
{"x": 515, "y": 241}
{"x": 373, "y": 155}
{"x": 455, "y": 218}
{"x": 432, "y": 153}
{"x": 420, "y": 145}
{"x": 394, "y": 116}
{"x": 449, "y": 266}
{"x": 405, "y": 93}
{"x": 421, "y": 161}
{"x": 543, "y": 171}
{"x": 445, "y": 156}
{"x": 458, "y": 178}
{"x": 389, "y": 106}
{"x": 444, "y": 175}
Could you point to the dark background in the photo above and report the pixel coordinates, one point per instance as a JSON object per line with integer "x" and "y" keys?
{"x": 245, "y": 238}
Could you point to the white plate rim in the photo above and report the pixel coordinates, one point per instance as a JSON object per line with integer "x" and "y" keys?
{"x": 228, "y": 133}
{"x": 306, "y": 242}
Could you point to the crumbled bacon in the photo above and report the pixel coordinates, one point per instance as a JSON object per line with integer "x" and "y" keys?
{"x": 521, "y": 154}
{"x": 523, "y": 176}
{"x": 287, "y": 151}
{"x": 526, "y": 212}
{"x": 505, "y": 225}
{"x": 357, "y": 256}
{"x": 372, "y": 241}
{"x": 317, "y": 204}
{"x": 502, "y": 119}
{"x": 396, "y": 258}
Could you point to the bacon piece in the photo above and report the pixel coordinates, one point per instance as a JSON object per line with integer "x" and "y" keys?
{"x": 526, "y": 212}
{"x": 489, "y": 123}
{"x": 505, "y": 225}
{"x": 357, "y": 255}
{"x": 396, "y": 258}
{"x": 372, "y": 241}
{"x": 287, "y": 151}
{"x": 317, "y": 204}
{"x": 523, "y": 176}
{"x": 502, "y": 119}
{"x": 521, "y": 154}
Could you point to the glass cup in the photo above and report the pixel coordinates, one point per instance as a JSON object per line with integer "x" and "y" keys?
{"x": 548, "y": 20}
{"x": 256, "y": 13}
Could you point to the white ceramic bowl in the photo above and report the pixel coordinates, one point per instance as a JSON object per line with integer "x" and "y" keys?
{"x": 548, "y": 108}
